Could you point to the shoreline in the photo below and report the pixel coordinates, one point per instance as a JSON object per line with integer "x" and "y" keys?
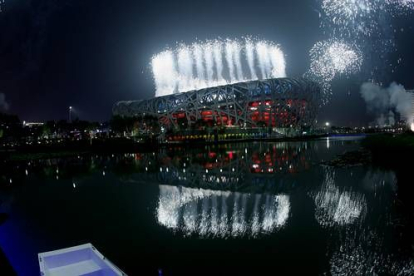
{"x": 26, "y": 153}
{"x": 382, "y": 150}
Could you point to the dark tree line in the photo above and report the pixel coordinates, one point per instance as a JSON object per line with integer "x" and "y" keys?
{"x": 11, "y": 127}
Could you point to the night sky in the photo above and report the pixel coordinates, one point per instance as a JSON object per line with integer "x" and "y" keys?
{"x": 90, "y": 54}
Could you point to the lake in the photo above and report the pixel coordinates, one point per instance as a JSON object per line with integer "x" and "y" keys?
{"x": 233, "y": 209}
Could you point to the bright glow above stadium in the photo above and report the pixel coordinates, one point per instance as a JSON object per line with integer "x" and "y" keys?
{"x": 214, "y": 63}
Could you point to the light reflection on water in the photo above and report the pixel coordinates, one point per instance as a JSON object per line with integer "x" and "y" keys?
{"x": 359, "y": 247}
{"x": 364, "y": 253}
{"x": 356, "y": 215}
{"x": 275, "y": 193}
{"x": 220, "y": 213}
{"x": 335, "y": 206}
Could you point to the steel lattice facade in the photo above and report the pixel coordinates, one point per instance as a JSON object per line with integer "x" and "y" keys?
{"x": 281, "y": 102}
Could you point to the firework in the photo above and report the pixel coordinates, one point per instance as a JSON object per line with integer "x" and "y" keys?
{"x": 217, "y": 62}
{"x": 370, "y": 22}
{"x": 352, "y": 17}
{"x": 404, "y": 4}
{"x": 163, "y": 67}
{"x": 332, "y": 57}
{"x": 361, "y": 19}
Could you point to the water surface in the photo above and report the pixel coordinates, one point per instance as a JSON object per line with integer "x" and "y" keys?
{"x": 218, "y": 210}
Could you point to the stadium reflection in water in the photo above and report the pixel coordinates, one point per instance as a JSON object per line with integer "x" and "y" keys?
{"x": 238, "y": 168}
{"x": 220, "y": 213}
{"x": 212, "y": 196}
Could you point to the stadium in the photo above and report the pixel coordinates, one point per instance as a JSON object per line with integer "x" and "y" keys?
{"x": 274, "y": 103}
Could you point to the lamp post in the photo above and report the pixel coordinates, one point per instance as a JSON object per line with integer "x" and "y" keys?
{"x": 327, "y": 126}
{"x": 70, "y": 114}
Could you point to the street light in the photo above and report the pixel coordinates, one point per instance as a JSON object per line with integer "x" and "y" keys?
{"x": 70, "y": 114}
{"x": 327, "y": 129}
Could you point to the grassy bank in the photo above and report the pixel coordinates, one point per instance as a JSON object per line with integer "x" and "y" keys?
{"x": 390, "y": 151}
{"x": 396, "y": 153}
{"x": 387, "y": 151}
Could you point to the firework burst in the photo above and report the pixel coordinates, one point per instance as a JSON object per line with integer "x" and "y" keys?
{"x": 405, "y": 4}
{"x": 369, "y": 22}
{"x": 330, "y": 58}
{"x": 400, "y": 7}
{"x": 352, "y": 17}
{"x": 360, "y": 18}
{"x": 214, "y": 63}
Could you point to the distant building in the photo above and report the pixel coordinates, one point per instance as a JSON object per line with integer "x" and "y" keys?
{"x": 32, "y": 124}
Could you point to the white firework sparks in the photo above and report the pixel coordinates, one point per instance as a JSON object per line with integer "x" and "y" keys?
{"x": 163, "y": 68}
{"x": 370, "y": 22}
{"x": 214, "y": 63}
{"x": 352, "y": 16}
{"x": 322, "y": 68}
{"x": 332, "y": 57}
{"x": 343, "y": 11}
{"x": 405, "y": 4}
{"x": 345, "y": 59}
{"x": 359, "y": 18}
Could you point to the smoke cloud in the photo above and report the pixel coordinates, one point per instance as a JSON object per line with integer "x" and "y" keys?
{"x": 385, "y": 102}
{"x": 4, "y": 106}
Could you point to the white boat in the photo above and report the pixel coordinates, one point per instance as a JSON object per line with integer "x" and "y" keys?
{"x": 75, "y": 261}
